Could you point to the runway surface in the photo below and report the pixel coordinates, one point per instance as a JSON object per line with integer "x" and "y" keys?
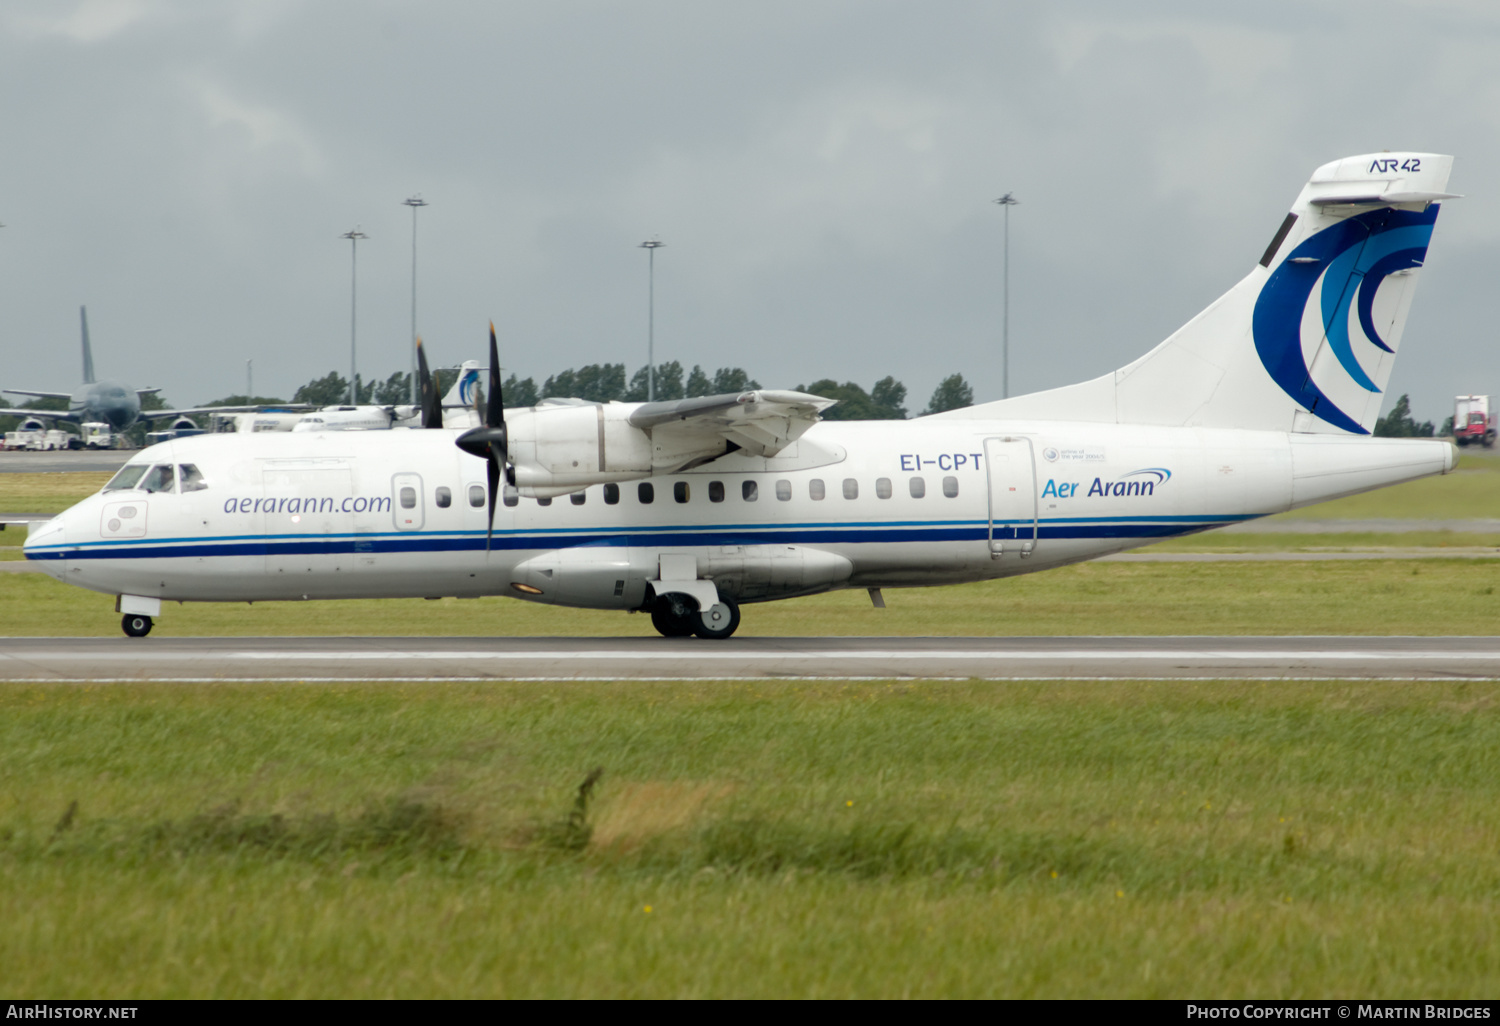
{"x": 345, "y": 659}
{"x": 64, "y": 461}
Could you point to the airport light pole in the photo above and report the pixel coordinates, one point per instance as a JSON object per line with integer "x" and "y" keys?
{"x": 353, "y": 236}
{"x": 249, "y": 381}
{"x": 414, "y": 202}
{"x": 1007, "y": 201}
{"x": 651, "y": 246}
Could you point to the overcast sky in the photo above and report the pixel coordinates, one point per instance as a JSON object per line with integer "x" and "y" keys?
{"x": 821, "y": 172}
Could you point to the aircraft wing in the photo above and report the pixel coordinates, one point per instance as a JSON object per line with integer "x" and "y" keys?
{"x": 6, "y": 411}
{"x": 37, "y": 395}
{"x": 203, "y": 410}
{"x": 762, "y": 422}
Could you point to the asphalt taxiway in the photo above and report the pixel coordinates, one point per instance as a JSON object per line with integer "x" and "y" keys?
{"x": 362, "y": 659}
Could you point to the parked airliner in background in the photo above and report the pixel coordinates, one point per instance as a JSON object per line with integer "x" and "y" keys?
{"x": 1262, "y": 403}
{"x": 107, "y": 402}
{"x": 460, "y": 399}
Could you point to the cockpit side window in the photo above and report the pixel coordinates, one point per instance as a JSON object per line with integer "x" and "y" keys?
{"x": 126, "y": 479}
{"x": 191, "y": 479}
{"x": 159, "y": 479}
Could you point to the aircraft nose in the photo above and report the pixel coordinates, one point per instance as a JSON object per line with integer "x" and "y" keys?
{"x": 46, "y": 544}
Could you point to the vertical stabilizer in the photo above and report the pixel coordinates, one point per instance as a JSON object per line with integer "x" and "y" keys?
{"x": 462, "y": 392}
{"x": 88, "y": 354}
{"x": 1306, "y": 341}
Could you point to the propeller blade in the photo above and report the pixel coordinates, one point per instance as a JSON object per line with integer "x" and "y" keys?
{"x": 492, "y": 470}
{"x": 494, "y": 414}
{"x": 432, "y": 408}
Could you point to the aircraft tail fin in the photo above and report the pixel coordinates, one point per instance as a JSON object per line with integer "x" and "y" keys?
{"x": 462, "y": 392}
{"x": 88, "y": 354}
{"x": 1306, "y": 341}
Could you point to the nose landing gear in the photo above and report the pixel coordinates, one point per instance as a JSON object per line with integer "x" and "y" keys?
{"x": 136, "y": 625}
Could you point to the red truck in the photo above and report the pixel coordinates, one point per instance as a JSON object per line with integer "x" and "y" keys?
{"x": 1473, "y": 421}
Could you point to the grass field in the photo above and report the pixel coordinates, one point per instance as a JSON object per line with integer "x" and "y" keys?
{"x": 766, "y": 839}
{"x": 1140, "y": 839}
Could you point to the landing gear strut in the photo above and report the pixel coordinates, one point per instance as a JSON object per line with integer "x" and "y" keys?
{"x": 673, "y": 618}
{"x": 136, "y": 625}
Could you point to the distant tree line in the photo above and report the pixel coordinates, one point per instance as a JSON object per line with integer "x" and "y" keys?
{"x": 1400, "y": 424}
{"x": 607, "y": 382}
{"x": 595, "y": 382}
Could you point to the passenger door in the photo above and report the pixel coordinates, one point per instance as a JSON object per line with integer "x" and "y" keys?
{"x": 1013, "y": 528}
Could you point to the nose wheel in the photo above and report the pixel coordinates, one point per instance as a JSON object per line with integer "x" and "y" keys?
{"x": 136, "y": 625}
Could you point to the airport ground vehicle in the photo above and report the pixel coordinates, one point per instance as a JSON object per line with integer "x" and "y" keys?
{"x": 1474, "y": 420}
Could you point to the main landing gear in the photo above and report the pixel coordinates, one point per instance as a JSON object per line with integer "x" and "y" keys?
{"x": 136, "y": 625}
{"x": 674, "y": 618}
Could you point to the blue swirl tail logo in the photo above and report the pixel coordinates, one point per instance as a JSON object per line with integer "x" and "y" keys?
{"x": 1351, "y": 259}
{"x": 466, "y": 386}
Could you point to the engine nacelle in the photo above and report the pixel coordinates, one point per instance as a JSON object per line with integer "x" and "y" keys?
{"x": 184, "y": 424}
{"x": 560, "y": 448}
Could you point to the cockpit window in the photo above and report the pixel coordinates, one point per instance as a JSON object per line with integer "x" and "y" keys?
{"x": 159, "y": 479}
{"x": 192, "y": 481}
{"x": 126, "y": 479}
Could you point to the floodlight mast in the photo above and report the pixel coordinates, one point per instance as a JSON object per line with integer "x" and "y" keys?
{"x": 414, "y": 202}
{"x": 353, "y": 236}
{"x": 1007, "y": 201}
{"x": 651, "y": 246}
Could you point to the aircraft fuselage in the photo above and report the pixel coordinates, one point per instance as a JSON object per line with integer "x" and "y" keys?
{"x": 851, "y": 504}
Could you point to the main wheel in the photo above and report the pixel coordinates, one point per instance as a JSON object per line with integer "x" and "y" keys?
{"x": 717, "y": 621}
{"x": 673, "y": 622}
{"x": 136, "y": 625}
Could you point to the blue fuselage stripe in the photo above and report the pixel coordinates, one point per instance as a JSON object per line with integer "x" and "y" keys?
{"x": 469, "y": 541}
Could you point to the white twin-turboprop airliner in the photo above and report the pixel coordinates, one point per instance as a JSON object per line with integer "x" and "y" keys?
{"x": 1262, "y": 403}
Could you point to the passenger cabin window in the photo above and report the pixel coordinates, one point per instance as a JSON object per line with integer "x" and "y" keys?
{"x": 815, "y": 489}
{"x": 443, "y": 498}
{"x": 882, "y": 488}
{"x": 476, "y": 495}
{"x": 611, "y": 494}
{"x": 544, "y": 502}
{"x": 680, "y": 491}
{"x": 851, "y": 488}
{"x": 578, "y": 498}
{"x": 918, "y": 487}
{"x": 950, "y": 487}
{"x": 189, "y": 480}
{"x": 128, "y": 477}
{"x": 408, "y": 497}
{"x": 159, "y": 479}
{"x": 510, "y": 495}
{"x": 749, "y": 492}
{"x": 645, "y": 493}
{"x": 716, "y": 491}
{"x": 784, "y": 490}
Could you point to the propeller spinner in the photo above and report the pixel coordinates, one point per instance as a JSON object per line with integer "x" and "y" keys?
{"x": 489, "y": 442}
